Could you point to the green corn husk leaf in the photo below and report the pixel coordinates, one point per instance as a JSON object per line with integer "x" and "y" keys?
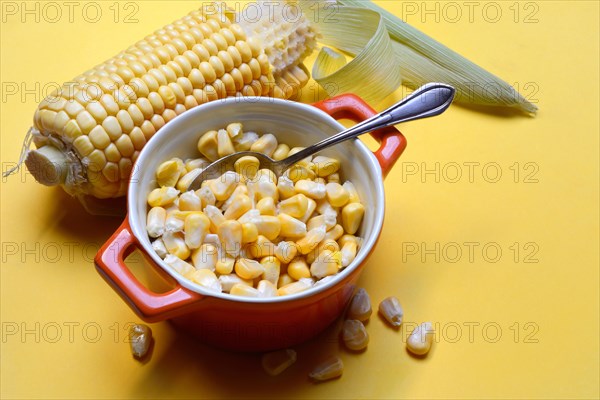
{"x": 423, "y": 59}
{"x": 374, "y": 72}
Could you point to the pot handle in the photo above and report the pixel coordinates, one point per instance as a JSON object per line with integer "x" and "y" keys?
{"x": 150, "y": 306}
{"x": 350, "y": 106}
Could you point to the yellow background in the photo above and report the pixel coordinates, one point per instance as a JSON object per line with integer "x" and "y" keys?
{"x": 506, "y": 329}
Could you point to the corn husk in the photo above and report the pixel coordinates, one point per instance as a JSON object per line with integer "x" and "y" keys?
{"x": 420, "y": 58}
{"x": 374, "y": 72}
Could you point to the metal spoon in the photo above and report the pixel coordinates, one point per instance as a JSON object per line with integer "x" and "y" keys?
{"x": 427, "y": 101}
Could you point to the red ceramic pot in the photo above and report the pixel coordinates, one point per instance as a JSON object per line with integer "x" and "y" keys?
{"x": 233, "y": 322}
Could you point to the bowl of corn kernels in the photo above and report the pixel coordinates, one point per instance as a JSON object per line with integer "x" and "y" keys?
{"x": 255, "y": 261}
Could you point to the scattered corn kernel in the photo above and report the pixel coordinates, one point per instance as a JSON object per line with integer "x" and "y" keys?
{"x": 391, "y": 310}
{"x": 140, "y": 339}
{"x": 331, "y": 368}
{"x": 420, "y": 340}
{"x": 360, "y": 306}
{"x": 355, "y": 335}
{"x": 276, "y": 362}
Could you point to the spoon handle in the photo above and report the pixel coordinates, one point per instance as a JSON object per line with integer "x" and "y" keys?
{"x": 427, "y": 101}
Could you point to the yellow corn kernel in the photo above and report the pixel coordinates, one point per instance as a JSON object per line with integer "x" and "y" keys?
{"x": 360, "y": 306}
{"x": 215, "y": 216}
{"x": 271, "y": 269}
{"x": 247, "y": 166}
{"x": 281, "y": 152}
{"x": 321, "y": 180}
{"x": 311, "y": 189}
{"x": 336, "y": 194}
{"x": 238, "y": 207}
{"x": 180, "y": 266}
{"x": 175, "y": 244}
{"x": 208, "y": 145}
{"x": 267, "y": 226}
{"x": 189, "y": 201}
{"x": 230, "y": 233}
{"x": 286, "y": 251}
{"x": 225, "y": 265}
{"x": 327, "y": 244}
{"x": 311, "y": 240}
{"x": 295, "y": 287}
{"x": 205, "y": 278}
{"x": 334, "y": 178}
{"x": 244, "y": 141}
{"x": 391, "y": 310}
{"x": 352, "y": 215}
{"x": 175, "y": 221}
{"x": 224, "y": 145}
{"x": 234, "y": 129}
{"x": 263, "y": 247}
{"x": 205, "y": 257}
{"x": 283, "y": 280}
{"x": 206, "y": 196}
{"x": 159, "y": 247}
{"x": 276, "y": 362}
{"x": 263, "y": 188}
{"x": 326, "y": 220}
{"x": 285, "y": 187}
{"x": 249, "y": 233}
{"x": 327, "y": 263}
{"x": 163, "y": 196}
{"x": 298, "y": 172}
{"x": 354, "y": 335}
{"x": 197, "y": 226}
{"x": 331, "y": 368}
{"x": 420, "y": 340}
{"x": 228, "y": 280}
{"x": 310, "y": 209}
{"x": 295, "y": 206}
{"x": 239, "y": 289}
{"x": 266, "y": 288}
{"x": 184, "y": 182}
{"x": 348, "y": 252}
{"x": 194, "y": 163}
{"x": 291, "y": 227}
{"x": 298, "y": 268}
{"x": 248, "y": 269}
{"x": 325, "y": 166}
{"x": 239, "y": 190}
{"x": 266, "y": 206}
{"x": 155, "y": 221}
{"x": 168, "y": 173}
{"x": 266, "y": 144}
{"x": 223, "y": 186}
{"x": 323, "y": 207}
{"x": 334, "y": 233}
{"x": 352, "y": 192}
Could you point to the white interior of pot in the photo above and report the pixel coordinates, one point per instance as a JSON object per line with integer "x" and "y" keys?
{"x": 292, "y": 123}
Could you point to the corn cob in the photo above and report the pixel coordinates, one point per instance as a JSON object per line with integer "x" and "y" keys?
{"x": 89, "y": 133}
